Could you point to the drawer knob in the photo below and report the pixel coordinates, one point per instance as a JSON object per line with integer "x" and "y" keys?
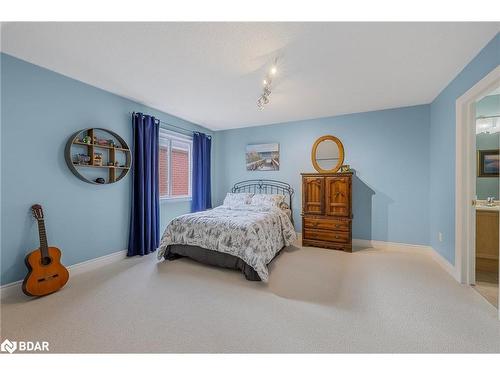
{"x": 337, "y": 226}
{"x": 337, "y": 237}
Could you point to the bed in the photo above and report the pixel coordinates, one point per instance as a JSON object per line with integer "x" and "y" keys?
{"x": 246, "y": 233}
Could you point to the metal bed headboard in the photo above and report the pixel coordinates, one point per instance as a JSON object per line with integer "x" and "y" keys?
{"x": 264, "y": 187}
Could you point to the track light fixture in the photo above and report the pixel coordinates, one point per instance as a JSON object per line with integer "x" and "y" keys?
{"x": 266, "y": 92}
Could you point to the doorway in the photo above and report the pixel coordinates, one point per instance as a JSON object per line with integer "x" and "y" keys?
{"x": 466, "y": 170}
{"x": 487, "y": 196}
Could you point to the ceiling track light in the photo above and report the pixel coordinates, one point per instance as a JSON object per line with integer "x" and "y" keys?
{"x": 266, "y": 82}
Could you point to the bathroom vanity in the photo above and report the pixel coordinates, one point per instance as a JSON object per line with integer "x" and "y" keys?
{"x": 487, "y": 225}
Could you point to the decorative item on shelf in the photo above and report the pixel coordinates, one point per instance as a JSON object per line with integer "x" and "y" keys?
{"x": 98, "y": 159}
{"x": 82, "y": 159}
{"x": 345, "y": 168}
{"x": 112, "y": 147}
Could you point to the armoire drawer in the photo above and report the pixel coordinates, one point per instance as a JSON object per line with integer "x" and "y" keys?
{"x": 328, "y": 224}
{"x": 327, "y": 235}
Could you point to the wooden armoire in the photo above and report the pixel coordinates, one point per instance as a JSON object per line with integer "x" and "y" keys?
{"x": 327, "y": 210}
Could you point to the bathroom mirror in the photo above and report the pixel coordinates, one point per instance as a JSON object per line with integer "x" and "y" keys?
{"x": 327, "y": 154}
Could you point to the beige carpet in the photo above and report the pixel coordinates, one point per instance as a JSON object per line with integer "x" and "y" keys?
{"x": 487, "y": 286}
{"x": 316, "y": 301}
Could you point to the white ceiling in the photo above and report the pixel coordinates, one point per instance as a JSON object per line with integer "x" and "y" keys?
{"x": 211, "y": 73}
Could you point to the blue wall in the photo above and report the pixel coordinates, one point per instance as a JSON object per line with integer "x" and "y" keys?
{"x": 388, "y": 149}
{"x": 404, "y": 160}
{"x": 442, "y": 148}
{"x": 40, "y": 110}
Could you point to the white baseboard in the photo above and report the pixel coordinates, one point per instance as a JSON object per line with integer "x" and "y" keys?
{"x": 438, "y": 258}
{"x": 75, "y": 269}
{"x": 385, "y": 245}
{"x": 88, "y": 265}
{"x": 92, "y": 264}
{"x": 447, "y": 266}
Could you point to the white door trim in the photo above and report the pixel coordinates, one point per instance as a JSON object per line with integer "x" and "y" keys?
{"x": 465, "y": 175}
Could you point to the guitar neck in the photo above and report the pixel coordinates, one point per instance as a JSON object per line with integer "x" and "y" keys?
{"x": 44, "y": 248}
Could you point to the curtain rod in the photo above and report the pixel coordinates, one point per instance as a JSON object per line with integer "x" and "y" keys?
{"x": 173, "y": 126}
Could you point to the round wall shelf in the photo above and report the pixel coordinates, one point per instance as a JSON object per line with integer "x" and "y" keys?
{"x": 97, "y": 154}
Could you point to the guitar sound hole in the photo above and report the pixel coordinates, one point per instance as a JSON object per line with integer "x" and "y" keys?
{"x": 46, "y": 261}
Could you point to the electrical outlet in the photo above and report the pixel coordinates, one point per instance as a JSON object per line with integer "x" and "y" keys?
{"x": 440, "y": 237}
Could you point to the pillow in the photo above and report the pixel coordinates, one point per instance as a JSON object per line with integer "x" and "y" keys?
{"x": 236, "y": 199}
{"x": 268, "y": 200}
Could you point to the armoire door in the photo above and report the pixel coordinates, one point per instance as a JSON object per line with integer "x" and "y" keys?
{"x": 312, "y": 195}
{"x": 337, "y": 200}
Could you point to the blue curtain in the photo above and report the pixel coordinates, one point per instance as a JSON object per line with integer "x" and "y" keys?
{"x": 202, "y": 196}
{"x": 144, "y": 236}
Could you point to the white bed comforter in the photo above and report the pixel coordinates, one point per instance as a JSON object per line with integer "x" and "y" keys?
{"x": 252, "y": 233}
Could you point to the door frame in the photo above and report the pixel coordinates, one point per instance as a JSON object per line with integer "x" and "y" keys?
{"x": 465, "y": 176}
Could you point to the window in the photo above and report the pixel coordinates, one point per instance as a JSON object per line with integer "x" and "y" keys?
{"x": 175, "y": 165}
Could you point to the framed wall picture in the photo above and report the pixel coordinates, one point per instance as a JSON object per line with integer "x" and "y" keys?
{"x": 487, "y": 163}
{"x": 263, "y": 157}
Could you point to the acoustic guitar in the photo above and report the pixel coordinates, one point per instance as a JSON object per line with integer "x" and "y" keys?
{"x": 46, "y": 274}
